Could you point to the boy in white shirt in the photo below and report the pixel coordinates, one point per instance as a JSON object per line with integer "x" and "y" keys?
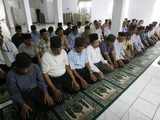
{"x": 79, "y": 64}
{"x": 56, "y": 70}
{"x": 137, "y": 43}
{"x": 96, "y": 60}
{"x": 121, "y": 56}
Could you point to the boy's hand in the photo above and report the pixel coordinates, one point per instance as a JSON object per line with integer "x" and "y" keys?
{"x": 48, "y": 100}
{"x": 75, "y": 86}
{"x": 58, "y": 96}
{"x": 93, "y": 78}
{"x": 84, "y": 84}
{"x": 25, "y": 110}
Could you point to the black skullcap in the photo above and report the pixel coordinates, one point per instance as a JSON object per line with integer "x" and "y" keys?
{"x": 110, "y": 38}
{"x": 27, "y": 36}
{"x": 55, "y": 42}
{"x": 93, "y": 37}
{"x": 80, "y": 42}
{"x": 122, "y": 34}
{"x": 23, "y": 60}
{"x": 74, "y": 28}
{"x": 18, "y": 28}
{"x": 33, "y": 27}
{"x": 43, "y": 31}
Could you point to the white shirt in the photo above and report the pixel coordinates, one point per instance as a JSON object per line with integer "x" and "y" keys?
{"x": 53, "y": 65}
{"x": 95, "y": 56}
{"x": 137, "y": 43}
{"x": 119, "y": 49}
{"x": 107, "y": 31}
{"x": 11, "y": 51}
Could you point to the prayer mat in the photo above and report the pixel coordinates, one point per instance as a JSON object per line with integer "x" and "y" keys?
{"x": 4, "y": 95}
{"x": 133, "y": 69}
{"x": 10, "y": 113}
{"x": 78, "y": 107}
{"x": 141, "y": 61}
{"x": 120, "y": 79}
{"x": 103, "y": 93}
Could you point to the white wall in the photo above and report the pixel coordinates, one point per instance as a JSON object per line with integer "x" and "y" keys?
{"x": 3, "y": 22}
{"x": 142, "y": 9}
{"x": 101, "y": 9}
{"x": 70, "y": 6}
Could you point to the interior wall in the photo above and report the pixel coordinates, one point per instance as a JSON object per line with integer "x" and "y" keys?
{"x": 141, "y": 9}
{"x": 101, "y": 9}
{"x": 70, "y": 6}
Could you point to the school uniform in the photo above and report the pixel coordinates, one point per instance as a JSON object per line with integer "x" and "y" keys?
{"x": 137, "y": 43}
{"x": 96, "y": 59}
{"x": 55, "y": 67}
{"x": 27, "y": 89}
{"x": 78, "y": 62}
{"x": 119, "y": 50}
{"x": 71, "y": 39}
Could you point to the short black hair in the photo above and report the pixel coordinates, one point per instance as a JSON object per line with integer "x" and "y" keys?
{"x": 110, "y": 38}
{"x": 80, "y": 42}
{"x": 27, "y": 36}
{"x": 69, "y": 23}
{"x": 33, "y": 27}
{"x": 23, "y": 60}
{"x": 93, "y": 37}
{"x": 87, "y": 27}
{"x": 50, "y": 29}
{"x": 79, "y": 23}
{"x": 42, "y": 31}
{"x": 18, "y": 28}
{"x": 122, "y": 34}
{"x": 74, "y": 28}
{"x": 86, "y": 22}
{"x": 59, "y": 24}
{"x": 58, "y": 30}
{"x": 55, "y": 42}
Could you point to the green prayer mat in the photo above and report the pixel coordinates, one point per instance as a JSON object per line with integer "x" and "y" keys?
{"x": 78, "y": 107}
{"x": 133, "y": 69}
{"x": 103, "y": 93}
{"x": 10, "y": 113}
{"x": 4, "y": 95}
{"x": 120, "y": 79}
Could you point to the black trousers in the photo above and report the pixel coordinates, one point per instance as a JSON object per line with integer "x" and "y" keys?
{"x": 5, "y": 68}
{"x": 64, "y": 82}
{"x": 85, "y": 74}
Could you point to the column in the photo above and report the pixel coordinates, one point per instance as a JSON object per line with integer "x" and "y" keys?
{"x": 117, "y": 16}
{"x": 27, "y": 13}
{"x": 9, "y": 16}
{"x": 58, "y": 11}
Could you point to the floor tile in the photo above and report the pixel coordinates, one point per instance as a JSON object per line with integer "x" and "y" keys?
{"x": 145, "y": 107}
{"x": 151, "y": 97}
{"x": 133, "y": 114}
{"x": 119, "y": 108}
{"x": 108, "y": 115}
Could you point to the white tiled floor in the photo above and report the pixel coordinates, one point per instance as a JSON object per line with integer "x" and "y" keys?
{"x": 141, "y": 101}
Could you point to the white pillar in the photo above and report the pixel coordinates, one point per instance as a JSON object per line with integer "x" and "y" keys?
{"x": 27, "y": 13}
{"x": 9, "y": 16}
{"x": 117, "y": 16}
{"x": 58, "y": 11}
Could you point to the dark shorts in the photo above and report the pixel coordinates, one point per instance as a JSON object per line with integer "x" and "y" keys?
{"x": 34, "y": 99}
{"x": 85, "y": 74}
{"x": 102, "y": 67}
{"x": 63, "y": 82}
{"x": 5, "y": 69}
